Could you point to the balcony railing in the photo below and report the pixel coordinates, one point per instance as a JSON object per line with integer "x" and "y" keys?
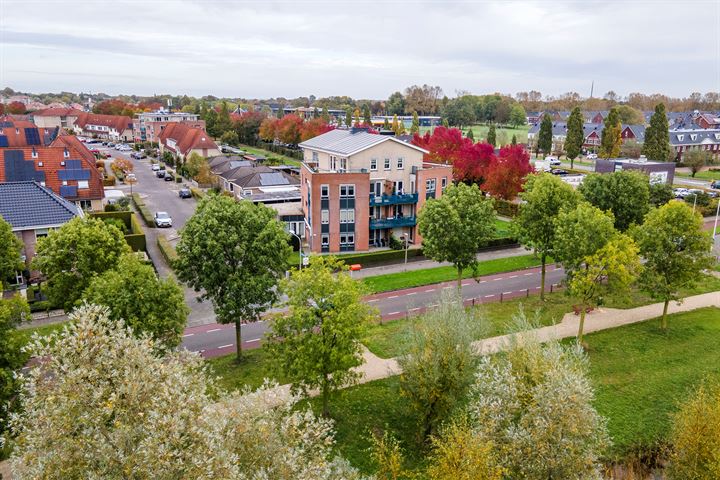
{"x": 393, "y": 199}
{"x": 377, "y": 224}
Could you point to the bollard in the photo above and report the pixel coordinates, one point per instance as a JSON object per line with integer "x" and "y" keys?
{"x": 473, "y": 301}
{"x": 501, "y": 298}
{"x": 551, "y": 286}
{"x": 527, "y": 293}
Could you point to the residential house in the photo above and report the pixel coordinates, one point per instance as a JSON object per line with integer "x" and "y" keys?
{"x": 360, "y": 189}
{"x": 684, "y": 139}
{"x": 64, "y": 117}
{"x": 24, "y": 133}
{"x": 595, "y": 116}
{"x": 592, "y": 133}
{"x": 182, "y": 140}
{"x": 148, "y": 125}
{"x": 245, "y": 179}
{"x": 32, "y": 211}
{"x": 659, "y": 172}
{"x": 111, "y": 127}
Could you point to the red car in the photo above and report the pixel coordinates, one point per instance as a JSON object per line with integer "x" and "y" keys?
{"x": 95, "y": 151}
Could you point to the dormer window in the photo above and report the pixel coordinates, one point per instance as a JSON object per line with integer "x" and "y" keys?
{"x": 34, "y": 153}
{"x": 66, "y": 153}
{"x": 693, "y": 137}
{"x": 680, "y": 137}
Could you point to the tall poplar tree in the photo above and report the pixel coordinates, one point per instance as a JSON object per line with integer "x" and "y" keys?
{"x": 367, "y": 118}
{"x": 545, "y": 135}
{"x": 348, "y": 119}
{"x": 575, "y": 135}
{"x": 657, "y": 137}
{"x": 611, "y": 141}
{"x": 415, "y": 128}
{"x": 491, "y": 137}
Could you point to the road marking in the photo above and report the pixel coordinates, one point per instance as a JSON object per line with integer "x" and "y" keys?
{"x": 374, "y": 300}
{"x": 450, "y": 286}
{"x": 537, "y": 288}
{"x": 213, "y": 330}
{"x": 489, "y": 296}
{"x": 512, "y": 276}
{"x": 414, "y": 309}
{"x": 411, "y": 293}
{"x": 392, "y": 296}
{"x": 528, "y": 274}
{"x": 466, "y": 284}
{"x": 188, "y": 335}
{"x": 428, "y": 291}
{"x": 393, "y": 313}
{"x": 506, "y": 293}
{"x": 482, "y": 281}
{"x": 253, "y": 340}
{"x": 226, "y": 346}
{"x": 434, "y": 305}
{"x": 202, "y": 351}
{"x": 496, "y": 279}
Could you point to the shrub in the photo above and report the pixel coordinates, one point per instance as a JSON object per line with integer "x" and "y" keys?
{"x": 395, "y": 244}
{"x": 116, "y": 222}
{"x": 109, "y": 181}
{"x": 41, "y": 306}
{"x": 197, "y": 193}
{"x": 167, "y": 250}
{"x": 144, "y": 211}
{"x": 100, "y": 164}
{"x": 505, "y": 208}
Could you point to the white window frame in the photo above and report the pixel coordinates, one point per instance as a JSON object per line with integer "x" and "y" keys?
{"x": 373, "y": 164}
{"x": 347, "y": 215}
{"x": 387, "y": 164}
{"x": 324, "y": 191}
{"x": 83, "y": 184}
{"x": 400, "y": 163}
{"x": 348, "y": 187}
{"x": 324, "y": 217}
{"x": 315, "y": 157}
{"x": 430, "y": 184}
{"x": 443, "y": 183}
{"x": 325, "y": 240}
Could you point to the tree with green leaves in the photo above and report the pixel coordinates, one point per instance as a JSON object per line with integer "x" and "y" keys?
{"x": 660, "y": 194}
{"x": 696, "y": 159}
{"x": 223, "y": 123}
{"x": 575, "y": 135}
{"x": 610, "y": 137}
{"x": 625, "y": 193}
{"x": 280, "y": 113}
{"x": 470, "y": 134}
{"x": 230, "y": 137}
{"x": 348, "y": 119}
{"x": 386, "y": 124}
{"x": 657, "y": 136}
{"x": 580, "y": 233}
{"x": 675, "y": 249}
{"x": 10, "y": 248}
{"x": 544, "y": 197}
{"x": 415, "y": 127}
{"x": 148, "y": 304}
{"x": 194, "y": 163}
{"x": 545, "y": 135}
{"x": 518, "y": 117}
{"x": 316, "y": 113}
{"x": 211, "y": 118}
{"x": 317, "y": 344}
{"x": 325, "y": 115}
{"x": 610, "y": 270}
{"x": 513, "y": 140}
{"x": 456, "y": 225}
{"x": 356, "y": 118}
{"x": 629, "y": 115}
{"x": 439, "y": 365}
{"x": 395, "y": 105}
{"x": 235, "y": 253}
{"x": 13, "y": 311}
{"x": 73, "y": 255}
{"x": 491, "y": 137}
{"x": 367, "y": 117}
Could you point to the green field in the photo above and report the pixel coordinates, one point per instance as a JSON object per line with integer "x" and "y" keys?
{"x": 480, "y": 133}
{"x": 278, "y": 158}
{"x": 704, "y": 175}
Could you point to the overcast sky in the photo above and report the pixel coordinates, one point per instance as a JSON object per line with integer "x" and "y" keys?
{"x": 361, "y": 48}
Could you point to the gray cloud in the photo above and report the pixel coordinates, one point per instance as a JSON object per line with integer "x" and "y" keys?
{"x": 362, "y": 49}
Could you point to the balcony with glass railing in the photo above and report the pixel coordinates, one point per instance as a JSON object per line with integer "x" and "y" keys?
{"x": 395, "y": 199}
{"x": 392, "y": 222}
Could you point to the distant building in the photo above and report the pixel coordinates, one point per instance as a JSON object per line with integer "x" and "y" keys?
{"x": 111, "y": 127}
{"x": 63, "y": 117}
{"x": 683, "y": 140}
{"x": 182, "y": 140}
{"x": 658, "y": 172}
{"x": 32, "y": 211}
{"x": 24, "y": 133}
{"x": 148, "y": 125}
{"x": 592, "y": 135}
{"x": 359, "y": 189}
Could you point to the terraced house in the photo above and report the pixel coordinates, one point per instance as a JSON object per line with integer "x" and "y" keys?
{"x": 358, "y": 190}
{"x": 112, "y": 127}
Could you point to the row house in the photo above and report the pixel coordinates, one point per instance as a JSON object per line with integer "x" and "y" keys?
{"x": 148, "y": 125}
{"x": 63, "y": 117}
{"x": 683, "y": 140}
{"x": 182, "y": 140}
{"x": 24, "y": 133}
{"x": 592, "y": 133}
{"x": 244, "y": 179}
{"x": 111, "y": 127}
{"x": 360, "y": 189}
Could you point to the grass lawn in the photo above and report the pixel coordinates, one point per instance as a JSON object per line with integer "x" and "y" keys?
{"x": 502, "y": 228}
{"x": 480, "y": 133}
{"x": 704, "y": 175}
{"x": 251, "y": 372}
{"x": 45, "y": 330}
{"x": 282, "y": 159}
{"x": 640, "y": 374}
{"x": 416, "y": 278}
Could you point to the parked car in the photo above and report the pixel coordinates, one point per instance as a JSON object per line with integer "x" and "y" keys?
{"x": 95, "y": 151}
{"x": 160, "y": 173}
{"x": 138, "y": 155}
{"x": 93, "y": 140}
{"x": 123, "y": 148}
{"x": 559, "y": 171}
{"x": 104, "y": 144}
{"x": 163, "y": 219}
{"x": 185, "y": 193}
{"x": 168, "y": 177}
{"x": 110, "y": 145}
{"x": 592, "y": 156}
{"x": 553, "y": 161}
{"x": 681, "y": 192}
{"x": 155, "y": 167}
{"x": 715, "y": 184}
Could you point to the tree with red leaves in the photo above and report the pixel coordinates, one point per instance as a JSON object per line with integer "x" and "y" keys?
{"x": 2, "y": 109}
{"x": 111, "y": 107}
{"x": 506, "y": 174}
{"x": 269, "y": 128}
{"x": 289, "y": 129}
{"x": 444, "y": 144}
{"x": 15, "y": 108}
{"x": 314, "y": 127}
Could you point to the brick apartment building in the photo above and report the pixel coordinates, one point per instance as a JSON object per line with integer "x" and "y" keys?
{"x": 358, "y": 189}
{"x": 148, "y": 125}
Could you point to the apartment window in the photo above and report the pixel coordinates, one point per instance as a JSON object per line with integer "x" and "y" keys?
{"x": 387, "y": 164}
{"x": 343, "y": 164}
{"x": 315, "y": 157}
{"x": 444, "y": 183}
{"x": 347, "y": 239}
{"x": 324, "y": 191}
{"x": 347, "y": 216}
{"x": 400, "y": 162}
{"x": 373, "y": 164}
{"x": 85, "y": 204}
{"x": 325, "y": 240}
{"x": 83, "y": 184}
{"x": 325, "y": 216}
{"x": 430, "y": 185}
{"x": 333, "y": 163}
{"x": 399, "y": 187}
{"x": 347, "y": 190}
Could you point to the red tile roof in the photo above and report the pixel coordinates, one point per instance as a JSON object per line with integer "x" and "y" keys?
{"x": 52, "y": 159}
{"x": 17, "y": 135}
{"x": 187, "y": 138}
{"x": 72, "y": 142}
{"x": 119, "y": 123}
{"x": 57, "y": 112}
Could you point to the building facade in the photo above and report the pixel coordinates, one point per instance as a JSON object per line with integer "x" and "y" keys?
{"x": 148, "y": 125}
{"x": 658, "y": 172}
{"x": 183, "y": 140}
{"x": 359, "y": 190}
{"x": 56, "y": 118}
{"x": 111, "y": 127}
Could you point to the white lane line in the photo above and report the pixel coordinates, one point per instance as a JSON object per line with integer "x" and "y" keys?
{"x": 434, "y": 305}
{"x": 226, "y": 346}
{"x": 392, "y": 296}
{"x": 512, "y": 276}
{"x": 537, "y": 288}
{"x": 489, "y": 296}
{"x": 213, "y": 330}
{"x": 253, "y": 340}
{"x": 528, "y": 274}
{"x": 411, "y": 293}
{"x": 393, "y": 313}
{"x": 466, "y": 284}
{"x": 373, "y": 300}
{"x": 451, "y": 286}
{"x": 496, "y": 279}
{"x": 506, "y": 293}
{"x": 188, "y": 335}
{"x": 430, "y": 290}
{"x": 482, "y": 281}
{"x": 414, "y": 309}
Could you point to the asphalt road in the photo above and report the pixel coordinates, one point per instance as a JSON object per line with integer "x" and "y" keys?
{"x": 215, "y": 340}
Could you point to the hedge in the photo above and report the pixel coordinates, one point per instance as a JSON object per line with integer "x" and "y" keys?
{"x": 136, "y": 236}
{"x": 109, "y": 181}
{"x": 197, "y": 193}
{"x": 168, "y": 251}
{"x": 288, "y": 152}
{"x": 144, "y": 211}
{"x": 505, "y": 208}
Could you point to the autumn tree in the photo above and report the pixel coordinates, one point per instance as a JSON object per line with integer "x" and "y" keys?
{"x": 675, "y": 249}
{"x": 624, "y": 193}
{"x": 415, "y": 127}
{"x": 367, "y": 118}
{"x": 193, "y": 164}
{"x": 629, "y": 115}
{"x": 314, "y": 127}
{"x": 696, "y": 159}
{"x": 545, "y": 135}
{"x": 456, "y": 225}
{"x": 459, "y": 454}
{"x": 317, "y": 344}
{"x": 610, "y": 270}
{"x": 125, "y": 165}
{"x": 147, "y": 304}
{"x": 289, "y": 129}
{"x": 73, "y": 255}
{"x": 237, "y": 266}
{"x": 10, "y": 248}
{"x": 575, "y": 135}
{"x": 230, "y": 137}
{"x": 473, "y": 162}
{"x": 657, "y": 137}
{"x": 491, "y": 137}
{"x": 506, "y": 174}
{"x": 544, "y": 197}
{"x": 611, "y": 139}
{"x": 268, "y": 129}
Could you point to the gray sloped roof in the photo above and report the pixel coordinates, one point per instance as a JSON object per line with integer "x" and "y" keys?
{"x": 348, "y": 142}
{"x": 708, "y": 136}
{"x": 26, "y": 205}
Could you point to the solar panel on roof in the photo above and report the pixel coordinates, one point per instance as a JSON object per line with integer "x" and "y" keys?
{"x": 4, "y": 141}
{"x": 74, "y": 174}
{"x": 31, "y": 136}
{"x": 17, "y": 169}
{"x": 267, "y": 179}
{"x": 68, "y": 191}
{"x": 73, "y": 164}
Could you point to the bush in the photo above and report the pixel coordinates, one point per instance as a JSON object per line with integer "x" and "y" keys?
{"x": 144, "y": 211}
{"x": 100, "y": 164}
{"x": 505, "y": 208}
{"x": 168, "y": 251}
{"x": 41, "y": 306}
{"x": 395, "y": 244}
{"x": 197, "y": 193}
{"x": 178, "y": 179}
{"x": 109, "y": 181}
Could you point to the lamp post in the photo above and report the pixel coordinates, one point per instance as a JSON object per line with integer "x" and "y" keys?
{"x": 299, "y": 247}
{"x": 406, "y": 236}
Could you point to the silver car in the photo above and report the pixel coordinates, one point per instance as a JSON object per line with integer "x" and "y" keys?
{"x": 162, "y": 219}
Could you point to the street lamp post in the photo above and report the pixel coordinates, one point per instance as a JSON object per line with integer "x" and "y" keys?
{"x": 406, "y": 236}
{"x": 299, "y": 247}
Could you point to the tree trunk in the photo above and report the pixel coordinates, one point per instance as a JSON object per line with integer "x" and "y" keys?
{"x": 325, "y": 397}
{"x": 542, "y": 277}
{"x": 663, "y": 321}
{"x": 582, "y": 324}
{"x": 572, "y": 162}
{"x": 459, "y": 282}
{"x": 238, "y": 341}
